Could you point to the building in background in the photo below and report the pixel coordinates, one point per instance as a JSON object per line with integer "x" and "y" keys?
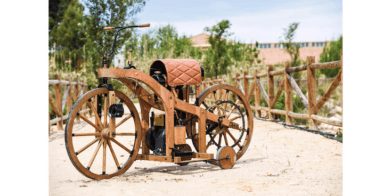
{"x": 271, "y": 53}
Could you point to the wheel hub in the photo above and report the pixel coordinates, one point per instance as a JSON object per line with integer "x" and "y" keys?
{"x": 106, "y": 133}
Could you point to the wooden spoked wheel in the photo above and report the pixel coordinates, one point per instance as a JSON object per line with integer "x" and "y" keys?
{"x": 226, "y": 157}
{"x": 90, "y": 147}
{"x": 225, "y": 101}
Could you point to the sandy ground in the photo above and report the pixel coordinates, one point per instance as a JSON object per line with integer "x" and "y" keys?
{"x": 278, "y": 161}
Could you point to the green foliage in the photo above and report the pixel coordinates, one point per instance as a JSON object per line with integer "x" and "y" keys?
{"x": 216, "y": 60}
{"x": 223, "y": 53}
{"x": 331, "y": 53}
{"x": 103, "y": 14}
{"x": 69, "y": 35}
{"x": 56, "y": 13}
{"x": 291, "y": 48}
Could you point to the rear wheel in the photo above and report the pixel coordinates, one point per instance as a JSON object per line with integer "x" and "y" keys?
{"x": 84, "y": 141}
{"x": 227, "y": 102}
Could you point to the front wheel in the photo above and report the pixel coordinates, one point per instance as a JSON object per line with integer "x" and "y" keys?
{"x": 84, "y": 141}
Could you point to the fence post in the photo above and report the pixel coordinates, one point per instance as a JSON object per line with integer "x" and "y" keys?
{"x": 89, "y": 88}
{"x": 76, "y": 89}
{"x": 270, "y": 90}
{"x": 311, "y": 86}
{"x": 236, "y": 82}
{"x": 245, "y": 83}
{"x": 288, "y": 95}
{"x": 258, "y": 113}
{"x": 69, "y": 98}
{"x": 343, "y": 87}
{"x": 57, "y": 89}
{"x": 220, "y": 92}
{"x": 83, "y": 107}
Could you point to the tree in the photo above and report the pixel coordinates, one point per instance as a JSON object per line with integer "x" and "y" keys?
{"x": 56, "y": 12}
{"x": 331, "y": 53}
{"x": 103, "y": 14}
{"x": 70, "y": 35}
{"x": 216, "y": 60}
{"x": 291, "y": 48}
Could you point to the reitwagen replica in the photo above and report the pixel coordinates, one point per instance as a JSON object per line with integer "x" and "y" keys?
{"x": 162, "y": 136}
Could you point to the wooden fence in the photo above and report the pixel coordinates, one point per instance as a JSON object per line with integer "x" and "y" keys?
{"x": 287, "y": 84}
{"x": 65, "y": 99}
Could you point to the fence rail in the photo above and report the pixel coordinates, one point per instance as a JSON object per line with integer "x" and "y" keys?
{"x": 258, "y": 88}
{"x": 64, "y": 100}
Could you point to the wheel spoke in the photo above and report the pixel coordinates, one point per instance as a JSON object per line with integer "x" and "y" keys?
{"x": 225, "y": 104}
{"x": 95, "y": 153}
{"x": 104, "y": 157}
{"x": 88, "y": 145}
{"x": 86, "y": 134}
{"x": 89, "y": 122}
{"x": 214, "y": 96}
{"x": 235, "y": 127}
{"x": 206, "y": 105}
{"x": 105, "y": 112}
{"x": 210, "y": 142}
{"x": 220, "y": 139}
{"x": 113, "y": 154}
{"x": 229, "y": 133}
{"x": 95, "y": 113}
{"x": 234, "y": 118}
{"x": 123, "y": 120}
{"x": 225, "y": 138}
{"x": 124, "y": 134}
{"x": 120, "y": 145}
{"x": 233, "y": 108}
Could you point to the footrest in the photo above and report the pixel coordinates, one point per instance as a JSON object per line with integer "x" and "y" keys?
{"x": 194, "y": 160}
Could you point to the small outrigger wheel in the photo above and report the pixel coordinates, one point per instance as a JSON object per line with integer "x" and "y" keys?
{"x": 226, "y": 157}
{"x": 185, "y": 147}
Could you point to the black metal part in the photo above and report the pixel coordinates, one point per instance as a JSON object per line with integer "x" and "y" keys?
{"x": 116, "y": 111}
{"x": 119, "y": 168}
{"x": 103, "y": 173}
{"x": 156, "y": 139}
{"x": 131, "y": 153}
{"x": 99, "y": 106}
{"x": 130, "y": 67}
{"x": 107, "y": 85}
{"x": 76, "y": 153}
{"x": 88, "y": 168}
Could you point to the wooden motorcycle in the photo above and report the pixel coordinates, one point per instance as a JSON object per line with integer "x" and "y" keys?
{"x": 163, "y": 132}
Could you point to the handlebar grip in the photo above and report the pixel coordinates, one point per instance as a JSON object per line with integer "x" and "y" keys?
{"x": 144, "y": 25}
{"x": 109, "y": 28}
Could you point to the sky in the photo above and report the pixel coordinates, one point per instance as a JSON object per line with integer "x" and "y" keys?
{"x": 252, "y": 20}
{"x": 261, "y": 21}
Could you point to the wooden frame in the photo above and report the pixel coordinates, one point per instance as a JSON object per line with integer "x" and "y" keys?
{"x": 168, "y": 102}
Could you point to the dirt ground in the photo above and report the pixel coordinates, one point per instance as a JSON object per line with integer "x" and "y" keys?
{"x": 278, "y": 161}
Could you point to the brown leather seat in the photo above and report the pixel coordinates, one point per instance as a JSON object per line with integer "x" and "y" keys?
{"x": 179, "y": 71}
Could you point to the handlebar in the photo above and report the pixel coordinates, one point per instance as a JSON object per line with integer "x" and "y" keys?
{"x": 120, "y": 29}
{"x": 113, "y": 28}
